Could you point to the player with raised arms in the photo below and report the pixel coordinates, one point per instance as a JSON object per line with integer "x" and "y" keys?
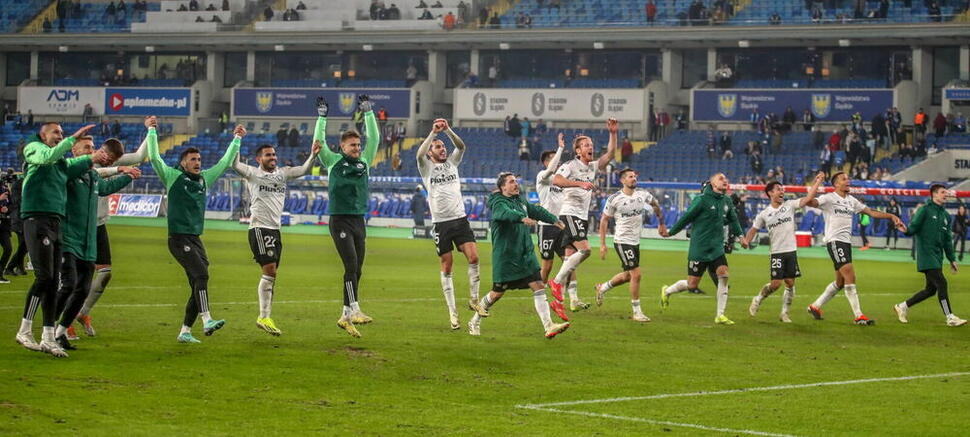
{"x": 708, "y": 213}
{"x": 779, "y": 219}
{"x": 627, "y": 207}
{"x": 838, "y": 208}
{"x": 451, "y": 228}
{"x": 267, "y": 193}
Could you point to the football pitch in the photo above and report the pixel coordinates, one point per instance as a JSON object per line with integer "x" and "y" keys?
{"x": 411, "y": 375}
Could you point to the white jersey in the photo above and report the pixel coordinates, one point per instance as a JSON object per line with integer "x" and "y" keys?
{"x": 838, "y": 212}
{"x": 781, "y": 225}
{"x": 575, "y": 200}
{"x": 267, "y": 191}
{"x": 628, "y": 213}
{"x": 550, "y": 196}
{"x": 444, "y": 187}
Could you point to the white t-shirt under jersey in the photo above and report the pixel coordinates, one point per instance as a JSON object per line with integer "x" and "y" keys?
{"x": 781, "y": 225}
{"x": 575, "y": 200}
{"x": 837, "y": 212}
{"x": 627, "y": 211}
{"x": 267, "y": 191}
{"x": 444, "y": 187}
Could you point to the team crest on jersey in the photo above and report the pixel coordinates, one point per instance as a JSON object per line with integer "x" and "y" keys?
{"x": 346, "y": 102}
{"x": 47, "y": 241}
{"x": 821, "y": 105}
{"x": 343, "y": 234}
{"x": 187, "y": 249}
{"x": 264, "y": 101}
{"x": 727, "y": 104}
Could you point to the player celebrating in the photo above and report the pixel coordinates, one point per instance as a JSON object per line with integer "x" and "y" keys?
{"x": 779, "y": 218}
{"x": 267, "y": 191}
{"x": 576, "y": 179}
{"x": 102, "y": 263}
{"x": 80, "y": 230}
{"x": 349, "y": 193}
{"x": 931, "y": 226}
{"x": 708, "y": 213}
{"x": 838, "y": 207}
{"x": 187, "y": 187}
{"x": 627, "y": 206}
{"x": 514, "y": 265}
{"x": 550, "y": 198}
{"x": 451, "y": 228}
{"x": 42, "y": 210}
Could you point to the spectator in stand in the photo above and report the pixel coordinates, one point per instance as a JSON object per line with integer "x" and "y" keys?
{"x": 515, "y": 129}
{"x": 724, "y": 77}
{"x": 651, "y": 10}
{"x": 400, "y": 133}
{"x": 541, "y": 128}
{"x": 448, "y": 22}
{"x": 268, "y": 14}
{"x": 88, "y": 113}
{"x": 426, "y": 15}
{"x": 883, "y": 9}
{"x": 507, "y": 125}
{"x": 211, "y": 8}
{"x": 462, "y": 17}
{"x": 281, "y": 137}
{"x": 216, "y": 19}
{"x": 775, "y": 19}
{"x": 663, "y": 120}
{"x": 879, "y": 128}
{"x": 934, "y": 12}
{"x": 788, "y": 120}
{"x": 47, "y": 25}
{"x": 520, "y": 21}
{"x": 960, "y": 222}
{"x": 895, "y": 124}
{"x": 374, "y": 10}
{"x": 193, "y": 5}
{"x": 754, "y": 118}
{"x": 225, "y": 5}
{"x": 681, "y": 120}
{"x": 808, "y": 120}
{"x": 493, "y": 74}
{"x": 920, "y": 121}
{"x": 421, "y": 5}
{"x": 526, "y": 128}
{"x": 626, "y": 150}
{"x": 959, "y": 123}
{"x": 483, "y": 15}
{"x": 199, "y": 19}
{"x": 111, "y": 10}
{"x": 725, "y": 143}
{"x": 105, "y": 129}
{"x": 554, "y": 4}
{"x": 711, "y": 144}
{"x": 182, "y": 8}
{"x": 817, "y": 15}
{"x": 756, "y": 163}
{"x": 939, "y": 125}
{"x": 115, "y": 129}
{"x": 411, "y": 74}
{"x": 437, "y": 4}
{"x": 294, "y": 137}
{"x": 524, "y": 150}
{"x": 528, "y": 21}
{"x": 495, "y": 22}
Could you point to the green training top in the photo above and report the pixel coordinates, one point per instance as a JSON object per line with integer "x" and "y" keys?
{"x": 186, "y": 191}
{"x": 709, "y": 212}
{"x": 348, "y": 186}
{"x": 81, "y": 223}
{"x": 931, "y": 226}
{"x": 48, "y": 171}
{"x": 512, "y": 249}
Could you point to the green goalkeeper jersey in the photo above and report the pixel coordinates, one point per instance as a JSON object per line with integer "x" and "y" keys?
{"x": 708, "y": 214}
{"x": 347, "y": 176}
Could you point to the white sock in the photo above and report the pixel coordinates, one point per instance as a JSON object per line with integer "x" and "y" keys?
{"x": 185, "y": 330}
{"x": 678, "y": 287}
{"x": 476, "y": 319}
{"x": 97, "y": 289}
{"x": 355, "y": 307}
{"x": 853, "y": 296}
{"x": 765, "y": 292}
{"x": 473, "y": 280}
{"x": 486, "y": 302}
{"x": 448, "y": 288}
{"x": 903, "y": 305}
{"x": 48, "y": 334}
{"x": 722, "y": 294}
{"x": 542, "y": 308}
{"x": 26, "y": 326}
{"x": 265, "y": 292}
{"x": 205, "y": 317}
{"x": 59, "y": 331}
{"x": 568, "y": 266}
{"x": 787, "y": 298}
{"x": 604, "y": 287}
{"x": 636, "y": 306}
{"x": 347, "y": 311}
{"x": 830, "y": 291}
{"x": 573, "y": 289}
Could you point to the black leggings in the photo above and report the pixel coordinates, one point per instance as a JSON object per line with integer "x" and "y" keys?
{"x": 18, "y": 257}
{"x": 43, "y": 235}
{"x": 189, "y": 251}
{"x": 862, "y": 234}
{"x": 349, "y": 233}
{"x": 959, "y": 239}
{"x": 76, "y": 277}
{"x": 935, "y": 284}
{"x": 5, "y": 243}
{"x": 892, "y": 233}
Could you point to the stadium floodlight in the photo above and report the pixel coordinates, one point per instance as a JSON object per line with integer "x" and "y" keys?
{"x": 598, "y": 45}
{"x": 279, "y": 47}
{"x": 62, "y": 49}
{"x": 368, "y": 48}
{"x": 844, "y": 43}
{"x": 744, "y": 43}
{"x": 504, "y": 46}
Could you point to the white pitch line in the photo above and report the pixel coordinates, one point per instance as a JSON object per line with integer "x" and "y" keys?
{"x": 741, "y": 390}
{"x": 659, "y": 422}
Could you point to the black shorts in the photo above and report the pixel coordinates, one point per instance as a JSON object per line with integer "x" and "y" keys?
{"x": 629, "y": 255}
{"x": 518, "y": 284}
{"x": 104, "y": 247}
{"x": 785, "y": 266}
{"x": 697, "y": 268}
{"x": 840, "y": 252}
{"x": 576, "y": 230}
{"x": 549, "y": 246}
{"x": 266, "y": 244}
{"x": 452, "y": 234}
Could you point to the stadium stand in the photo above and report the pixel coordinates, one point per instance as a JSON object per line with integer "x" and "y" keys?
{"x": 17, "y": 13}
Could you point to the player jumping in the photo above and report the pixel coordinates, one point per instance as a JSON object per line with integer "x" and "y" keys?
{"x": 838, "y": 207}
{"x": 708, "y": 213}
{"x": 267, "y": 192}
{"x": 451, "y": 229}
{"x": 779, "y": 219}
{"x": 627, "y": 206}
{"x": 576, "y": 179}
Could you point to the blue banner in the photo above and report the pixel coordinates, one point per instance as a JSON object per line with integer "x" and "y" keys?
{"x": 957, "y": 93}
{"x": 302, "y": 102}
{"x": 148, "y": 101}
{"x": 826, "y": 104}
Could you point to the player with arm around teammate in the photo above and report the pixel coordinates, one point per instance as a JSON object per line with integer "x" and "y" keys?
{"x": 779, "y": 219}
{"x": 627, "y": 207}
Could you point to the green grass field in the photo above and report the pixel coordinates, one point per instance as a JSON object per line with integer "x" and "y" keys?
{"x": 411, "y": 375}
